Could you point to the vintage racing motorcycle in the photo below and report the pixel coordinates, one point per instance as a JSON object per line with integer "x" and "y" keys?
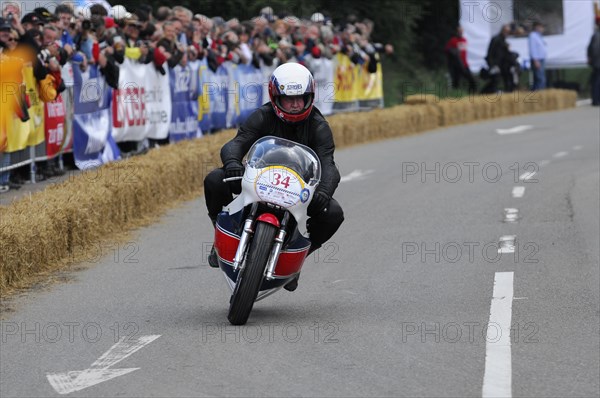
{"x": 261, "y": 237}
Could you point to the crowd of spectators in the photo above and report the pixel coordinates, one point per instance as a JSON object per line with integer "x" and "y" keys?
{"x": 97, "y": 35}
{"x": 105, "y": 36}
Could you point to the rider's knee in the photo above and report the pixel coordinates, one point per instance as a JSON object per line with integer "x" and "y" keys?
{"x": 335, "y": 214}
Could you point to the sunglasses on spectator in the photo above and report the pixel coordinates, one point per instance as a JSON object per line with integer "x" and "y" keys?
{"x": 12, "y": 39}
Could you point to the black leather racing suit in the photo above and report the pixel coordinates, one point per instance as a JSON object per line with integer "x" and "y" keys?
{"x": 313, "y": 132}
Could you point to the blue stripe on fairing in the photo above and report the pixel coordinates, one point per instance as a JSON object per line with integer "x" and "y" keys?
{"x": 230, "y": 224}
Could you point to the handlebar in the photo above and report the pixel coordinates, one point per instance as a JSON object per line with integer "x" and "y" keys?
{"x": 233, "y": 179}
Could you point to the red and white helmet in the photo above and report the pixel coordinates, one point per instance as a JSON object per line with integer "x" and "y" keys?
{"x": 292, "y": 79}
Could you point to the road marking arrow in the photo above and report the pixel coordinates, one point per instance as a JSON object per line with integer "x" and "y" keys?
{"x": 68, "y": 382}
{"x": 514, "y": 130}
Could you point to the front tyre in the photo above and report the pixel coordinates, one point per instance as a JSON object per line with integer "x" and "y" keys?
{"x": 250, "y": 278}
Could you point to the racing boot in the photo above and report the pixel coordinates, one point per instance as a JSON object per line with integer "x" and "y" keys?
{"x": 293, "y": 284}
{"x": 313, "y": 247}
{"x": 213, "y": 261}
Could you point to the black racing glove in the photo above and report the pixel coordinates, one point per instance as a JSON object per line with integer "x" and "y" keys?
{"x": 234, "y": 168}
{"x": 319, "y": 203}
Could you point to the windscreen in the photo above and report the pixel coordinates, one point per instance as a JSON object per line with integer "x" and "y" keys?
{"x": 273, "y": 151}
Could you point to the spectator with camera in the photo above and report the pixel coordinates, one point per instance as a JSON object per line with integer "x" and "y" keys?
{"x": 83, "y": 37}
{"x": 230, "y": 49}
{"x": 103, "y": 53}
{"x": 65, "y": 16}
{"x": 11, "y": 13}
{"x": 244, "y": 46}
{"x": 168, "y": 44}
{"x": 135, "y": 48}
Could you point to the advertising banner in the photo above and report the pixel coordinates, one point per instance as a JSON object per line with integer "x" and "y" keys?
{"x": 93, "y": 143}
{"x": 54, "y": 117}
{"x": 184, "y": 118}
{"x": 141, "y": 107}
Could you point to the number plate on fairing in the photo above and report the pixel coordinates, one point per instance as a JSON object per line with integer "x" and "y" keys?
{"x": 279, "y": 185}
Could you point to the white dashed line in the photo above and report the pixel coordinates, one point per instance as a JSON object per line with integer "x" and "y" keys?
{"x": 511, "y": 215}
{"x": 527, "y": 176}
{"x": 514, "y": 130}
{"x": 559, "y": 155}
{"x": 356, "y": 175}
{"x": 506, "y": 244}
{"x": 518, "y": 192}
{"x": 543, "y": 163}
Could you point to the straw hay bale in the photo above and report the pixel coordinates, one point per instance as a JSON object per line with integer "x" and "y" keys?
{"x": 421, "y": 99}
{"x": 357, "y": 128}
{"x": 40, "y": 233}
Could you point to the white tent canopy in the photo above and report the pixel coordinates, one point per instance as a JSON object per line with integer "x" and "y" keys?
{"x": 483, "y": 19}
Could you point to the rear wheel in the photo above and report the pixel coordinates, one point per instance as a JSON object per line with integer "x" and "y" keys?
{"x": 250, "y": 278}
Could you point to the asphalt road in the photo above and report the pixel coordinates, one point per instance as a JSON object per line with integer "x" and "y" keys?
{"x": 411, "y": 297}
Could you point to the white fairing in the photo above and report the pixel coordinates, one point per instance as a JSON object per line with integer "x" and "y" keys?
{"x": 279, "y": 182}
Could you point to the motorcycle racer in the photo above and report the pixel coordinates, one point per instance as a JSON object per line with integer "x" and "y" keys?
{"x": 290, "y": 114}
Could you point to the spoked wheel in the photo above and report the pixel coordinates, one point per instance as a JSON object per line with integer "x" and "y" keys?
{"x": 250, "y": 278}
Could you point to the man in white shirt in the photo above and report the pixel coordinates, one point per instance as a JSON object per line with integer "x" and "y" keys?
{"x": 537, "y": 54}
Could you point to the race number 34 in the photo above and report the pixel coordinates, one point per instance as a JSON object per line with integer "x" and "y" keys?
{"x": 279, "y": 181}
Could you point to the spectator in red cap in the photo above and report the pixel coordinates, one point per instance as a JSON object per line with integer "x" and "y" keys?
{"x": 456, "y": 55}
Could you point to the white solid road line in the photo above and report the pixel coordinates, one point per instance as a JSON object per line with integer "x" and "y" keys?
{"x": 514, "y": 130}
{"x": 68, "y": 382}
{"x": 518, "y": 192}
{"x": 497, "y": 377}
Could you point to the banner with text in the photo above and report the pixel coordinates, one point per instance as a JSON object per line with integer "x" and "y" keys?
{"x": 93, "y": 143}
{"x": 141, "y": 107}
{"x": 184, "y": 100}
{"x": 54, "y": 116}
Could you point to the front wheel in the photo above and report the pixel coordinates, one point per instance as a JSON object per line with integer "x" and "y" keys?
{"x": 251, "y": 276}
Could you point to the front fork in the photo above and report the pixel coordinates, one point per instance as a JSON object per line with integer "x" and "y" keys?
{"x": 274, "y": 256}
{"x": 246, "y": 233}
{"x": 248, "y": 230}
